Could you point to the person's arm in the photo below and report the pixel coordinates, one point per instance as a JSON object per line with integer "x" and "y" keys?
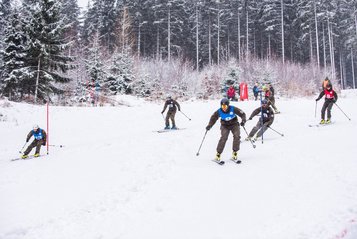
{"x": 320, "y": 96}
{"x": 165, "y": 106}
{"x": 254, "y": 113}
{"x": 212, "y": 120}
{"x": 178, "y": 105}
{"x": 29, "y": 136}
{"x": 44, "y": 139}
{"x": 335, "y": 96}
{"x": 241, "y": 114}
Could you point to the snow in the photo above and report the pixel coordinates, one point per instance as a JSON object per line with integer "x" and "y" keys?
{"x": 117, "y": 178}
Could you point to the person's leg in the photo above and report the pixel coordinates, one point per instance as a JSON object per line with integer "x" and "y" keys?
{"x": 222, "y": 141}
{"x": 30, "y": 147}
{"x": 236, "y": 137}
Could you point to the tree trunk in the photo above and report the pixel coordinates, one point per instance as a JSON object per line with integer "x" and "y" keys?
{"x": 169, "y": 35}
{"x": 317, "y": 38}
{"x": 282, "y": 31}
{"x": 197, "y": 47}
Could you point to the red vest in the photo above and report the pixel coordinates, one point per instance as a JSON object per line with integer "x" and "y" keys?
{"x": 329, "y": 94}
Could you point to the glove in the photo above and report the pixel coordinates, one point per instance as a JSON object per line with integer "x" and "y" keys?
{"x": 242, "y": 123}
{"x": 334, "y": 101}
{"x": 250, "y": 118}
{"x": 162, "y": 112}
{"x": 317, "y": 99}
{"x": 44, "y": 143}
{"x": 179, "y": 109}
{"x": 208, "y": 127}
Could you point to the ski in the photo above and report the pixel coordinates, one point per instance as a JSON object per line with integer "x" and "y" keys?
{"x": 29, "y": 157}
{"x": 236, "y": 161}
{"x": 168, "y": 130}
{"x": 319, "y": 125}
{"x": 221, "y": 162}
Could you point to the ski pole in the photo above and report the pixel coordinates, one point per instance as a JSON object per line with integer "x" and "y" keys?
{"x": 198, "y": 152}
{"x": 275, "y": 131}
{"x": 55, "y": 145}
{"x": 342, "y": 111}
{"x": 249, "y": 138}
{"x": 315, "y": 108}
{"x": 22, "y": 148}
{"x": 185, "y": 115}
{"x": 162, "y": 114}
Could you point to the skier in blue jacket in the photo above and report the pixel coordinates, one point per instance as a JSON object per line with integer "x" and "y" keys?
{"x": 39, "y": 139}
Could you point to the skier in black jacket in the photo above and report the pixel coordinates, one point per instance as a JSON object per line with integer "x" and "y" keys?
{"x": 330, "y": 99}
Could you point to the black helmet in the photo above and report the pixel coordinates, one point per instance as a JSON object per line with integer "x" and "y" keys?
{"x": 224, "y": 101}
{"x": 264, "y": 102}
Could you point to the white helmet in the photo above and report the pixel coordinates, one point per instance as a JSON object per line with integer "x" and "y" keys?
{"x": 35, "y": 127}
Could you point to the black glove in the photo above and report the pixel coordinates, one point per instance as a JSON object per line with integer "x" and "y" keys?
{"x": 242, "y": 123}
{"x": 208, "y": 127}
{"x": 179, "y": 109}
{"x": 250, "y": 118}
{"x": 317, "y": 99}
{"x": 44, "y": 143}
{"x": 162, "y": 112}
{"x": 334, "y": 101}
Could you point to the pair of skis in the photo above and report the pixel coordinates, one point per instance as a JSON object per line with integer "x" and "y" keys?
{"x": 29, "y": 157}
{"x": 221, "y": 162}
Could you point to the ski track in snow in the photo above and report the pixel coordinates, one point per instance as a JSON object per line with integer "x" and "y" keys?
{"x": 116, "y": 178}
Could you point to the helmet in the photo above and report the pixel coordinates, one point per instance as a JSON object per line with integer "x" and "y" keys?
{"x": 35, "y": 127}
{"x": 168, "y": 96}
{"x": 224, "y": 101}
{"x": 264, "y": 102}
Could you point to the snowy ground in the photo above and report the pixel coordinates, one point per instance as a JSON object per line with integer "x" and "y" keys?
{"x": 117, "y": 179}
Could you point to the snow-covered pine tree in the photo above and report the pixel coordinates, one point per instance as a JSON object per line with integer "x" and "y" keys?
{"x": 13, "y": 56}
{"x": 45, "y": 62}
{"x": 95, "y": 68}
{"x": 120, "y": 78}
{"x": 231, "y": 79}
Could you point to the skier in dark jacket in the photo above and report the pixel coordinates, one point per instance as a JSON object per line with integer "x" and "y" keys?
{"x": 256, "y": 90}
{"x": 330, "y": 99}
{"x": 229, "y": 123}
{"x": 39, "y": 139}
{"x": 269, "y": 96}
{"x": 266, "y": 120}
{"x": 172, "y": 104}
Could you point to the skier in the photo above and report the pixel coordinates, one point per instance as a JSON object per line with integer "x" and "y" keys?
{"x": 172, "y": 104}
{"x": 229, "y": 122}
{"x": 39, "y": 139}
{"x": 265, "y": 120}
{"x": 256, "y": 90}
{"x": 330, "y": 99}
{"x": 269, "y": 96}
{"x": 231, "y": 93}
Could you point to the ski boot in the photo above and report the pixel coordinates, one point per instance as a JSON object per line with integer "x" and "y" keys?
{"x": 218, "y": 160}
{"x": 234, "y": 155}
{"x": 167, "y": 127}
{"x": 328, "y": 121}
{"x": 174, "y": 127}
{"x": 36, "y": 155}
{"x": 322, "y": 121}
{"x": 24, "y": 156}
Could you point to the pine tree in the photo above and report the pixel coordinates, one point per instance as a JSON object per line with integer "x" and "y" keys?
{"x": 13, "y": 56}
{"x": 45, "y": 59}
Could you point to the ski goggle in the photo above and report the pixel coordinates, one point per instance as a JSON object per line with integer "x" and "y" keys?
{"x": 224, "y": 107}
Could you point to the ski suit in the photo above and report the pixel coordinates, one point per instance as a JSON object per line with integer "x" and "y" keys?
{"x": 267, "y": 117}
{"x": 172, "y": 104}
{"x": 330, "y": 99}
{"x": 39, "y": 139}
{"x": 229, "y": 123}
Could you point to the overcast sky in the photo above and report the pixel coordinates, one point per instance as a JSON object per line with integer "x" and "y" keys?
{"x": 83, "y": 3}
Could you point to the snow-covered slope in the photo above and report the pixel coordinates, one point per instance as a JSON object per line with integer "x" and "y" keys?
{"x": 115, "y": 178}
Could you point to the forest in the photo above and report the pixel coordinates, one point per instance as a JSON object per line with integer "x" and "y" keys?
{"x": 55, "y": 51}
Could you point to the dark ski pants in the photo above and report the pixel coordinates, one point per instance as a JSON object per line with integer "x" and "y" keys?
{"x": 224, "y": 136}
{"x": 327, "y": 106}
{"x": 36, "y": 143}
{"x": 170, "y": 116}
{"x": 261, "y": 128}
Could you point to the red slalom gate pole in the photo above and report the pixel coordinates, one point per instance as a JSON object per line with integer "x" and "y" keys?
{"x": 48, "y": 133}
